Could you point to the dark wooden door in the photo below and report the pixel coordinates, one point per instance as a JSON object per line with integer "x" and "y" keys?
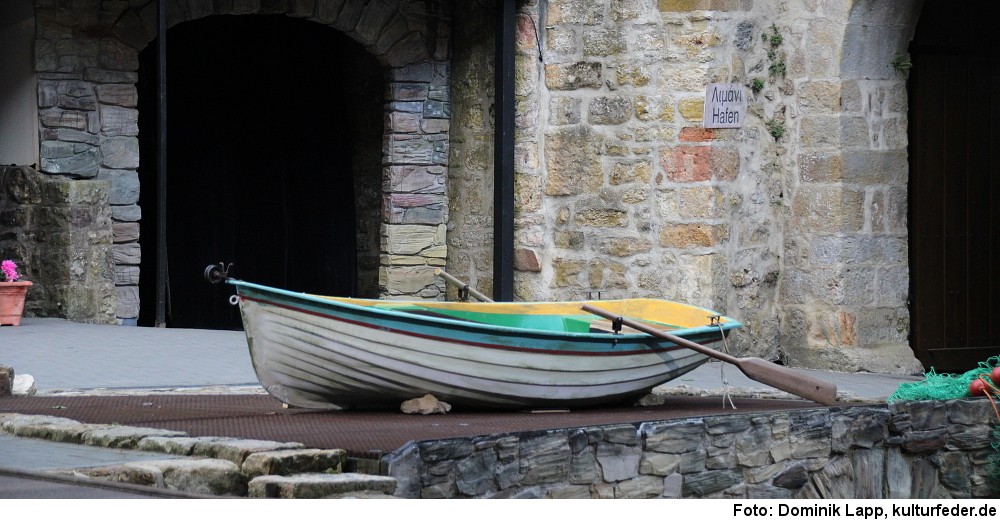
{"x": 954, "y": 164}
{"x": 259, "y": 165}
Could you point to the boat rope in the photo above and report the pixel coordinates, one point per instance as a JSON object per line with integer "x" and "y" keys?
{"x": 717, "y": 321}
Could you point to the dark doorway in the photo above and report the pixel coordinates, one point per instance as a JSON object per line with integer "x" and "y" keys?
{"x": 262, "y": 161}
{"x": 954, "y": 186}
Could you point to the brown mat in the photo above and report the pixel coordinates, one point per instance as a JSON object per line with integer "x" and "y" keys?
{"x": 361, "y": 433}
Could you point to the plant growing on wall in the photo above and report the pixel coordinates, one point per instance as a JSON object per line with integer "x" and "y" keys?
{"x": 774, "y": 39}
{"x": 775, "y": 128}
{"x": 901, "y": 63}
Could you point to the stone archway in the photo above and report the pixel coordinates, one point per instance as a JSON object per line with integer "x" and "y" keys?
{"x": 87, "y": 61}
{"x": 849, "y": 218}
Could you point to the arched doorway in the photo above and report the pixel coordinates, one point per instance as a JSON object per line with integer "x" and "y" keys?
{"x": 273, "y": 161}
{"x": 954, "y": 216}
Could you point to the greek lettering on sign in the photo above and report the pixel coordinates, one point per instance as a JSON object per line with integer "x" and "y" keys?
{"x": 725, "y": 105}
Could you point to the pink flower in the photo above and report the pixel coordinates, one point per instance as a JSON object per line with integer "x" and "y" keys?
{"x": 9, "y": 269}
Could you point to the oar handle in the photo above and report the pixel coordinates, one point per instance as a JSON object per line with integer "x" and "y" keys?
{"x": 462, "y": 285}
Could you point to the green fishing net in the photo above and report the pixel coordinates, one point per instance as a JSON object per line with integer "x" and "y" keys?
{"x": 943, "y": 386}
{"x": 956, "y": 386}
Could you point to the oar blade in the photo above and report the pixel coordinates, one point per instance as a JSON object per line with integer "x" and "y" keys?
{"x": 791, "y": 381}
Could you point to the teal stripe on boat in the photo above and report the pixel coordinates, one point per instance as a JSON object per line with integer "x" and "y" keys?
{"x": 520, "y": 321}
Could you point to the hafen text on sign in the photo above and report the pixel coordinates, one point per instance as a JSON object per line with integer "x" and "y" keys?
{"x": 725, "y": 105}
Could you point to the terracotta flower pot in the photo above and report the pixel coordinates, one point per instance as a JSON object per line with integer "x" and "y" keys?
{"x": 12, "y": 302}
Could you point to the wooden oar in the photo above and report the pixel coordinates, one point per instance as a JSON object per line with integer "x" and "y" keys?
{"x": 772, "y": 375}
{"x": 462, "y": 286}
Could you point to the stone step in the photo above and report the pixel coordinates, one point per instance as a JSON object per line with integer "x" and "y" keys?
{"x": 322, "y": 485}
{"x": 219, "y": 466}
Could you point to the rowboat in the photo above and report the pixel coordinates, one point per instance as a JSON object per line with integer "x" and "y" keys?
{"x": 323, "y": 352}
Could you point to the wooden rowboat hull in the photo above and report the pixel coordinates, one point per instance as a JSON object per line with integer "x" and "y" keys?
{"x": 336, "y": 353}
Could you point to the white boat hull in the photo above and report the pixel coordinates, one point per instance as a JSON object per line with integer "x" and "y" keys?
{"x": 310, "y": 360}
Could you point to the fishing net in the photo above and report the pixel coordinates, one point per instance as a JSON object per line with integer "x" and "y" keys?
{"x": 956, "y": 386}
{"x": 943, "y": 386}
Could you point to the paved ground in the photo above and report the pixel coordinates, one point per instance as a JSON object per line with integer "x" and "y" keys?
{"x": 77, "y": 359}
{"x": 66, "y": 357}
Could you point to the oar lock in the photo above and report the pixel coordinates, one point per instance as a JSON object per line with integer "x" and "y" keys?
{"x": 215, "y": 273}
{"x": 616, "y": 325}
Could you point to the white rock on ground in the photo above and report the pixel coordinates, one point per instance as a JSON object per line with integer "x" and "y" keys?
{"x": 24, "y": 386}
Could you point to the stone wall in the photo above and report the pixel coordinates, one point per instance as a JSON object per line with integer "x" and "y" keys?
{"x": 934, "y": 449}
{"x": 59, "y": 232}
{"x": 470, "y": 164}
{"x": 86, "y": 58}
{"x": 795, "y": 223}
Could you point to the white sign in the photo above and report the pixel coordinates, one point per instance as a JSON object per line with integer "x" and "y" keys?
{"x": 725, "y": 105}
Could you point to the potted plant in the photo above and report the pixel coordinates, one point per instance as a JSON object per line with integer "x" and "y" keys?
{"x": 12, "y": 293}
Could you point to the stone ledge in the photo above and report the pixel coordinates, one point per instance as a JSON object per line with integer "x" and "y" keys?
{"x": 319, "y": 485}
{"x": 202, "y": 476}
{"x": 214, "y": 465}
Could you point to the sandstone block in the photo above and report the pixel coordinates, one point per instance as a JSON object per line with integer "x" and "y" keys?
{"x": 699, "y": 5}
{"x": 634, "y": 74}
{"x": 610, "y": 110}
{"x": 631, "y": 171}
{"x": 829, "y": 209}
{"x": 820, "y": 96}
{"x": 700, "y": 202}
{"x": 319, "y": 485}
{"x": 237, "y": 450}
{"x": 687, "y": 163}
{"x": 564, "y": 110}
{"x": 683, "y": 236}
{"x": 288, "y": 462}
{"x": 576, "y": 12}
{"x": 45, "y": 427}
{"x": 567, "y": 272}
{"x": 526, "y": 260}
{"x": 174, "y": 445}
{"x": 693, "y": 109}
{"x": 654, "y": 108}
{"x": 203, "y": 476}
{"x": 573, "y": 76}
{"x": 626, "y": 246}
{"x": 573, "y": 162}
{"x": 604, "y": 42}
{"x": 123, "y": 437}
{"x": 602, "y": 218}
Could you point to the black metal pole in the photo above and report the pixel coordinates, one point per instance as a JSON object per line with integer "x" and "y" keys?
{"x": 503, "y": 155}
{"x": 161, "y": 169}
